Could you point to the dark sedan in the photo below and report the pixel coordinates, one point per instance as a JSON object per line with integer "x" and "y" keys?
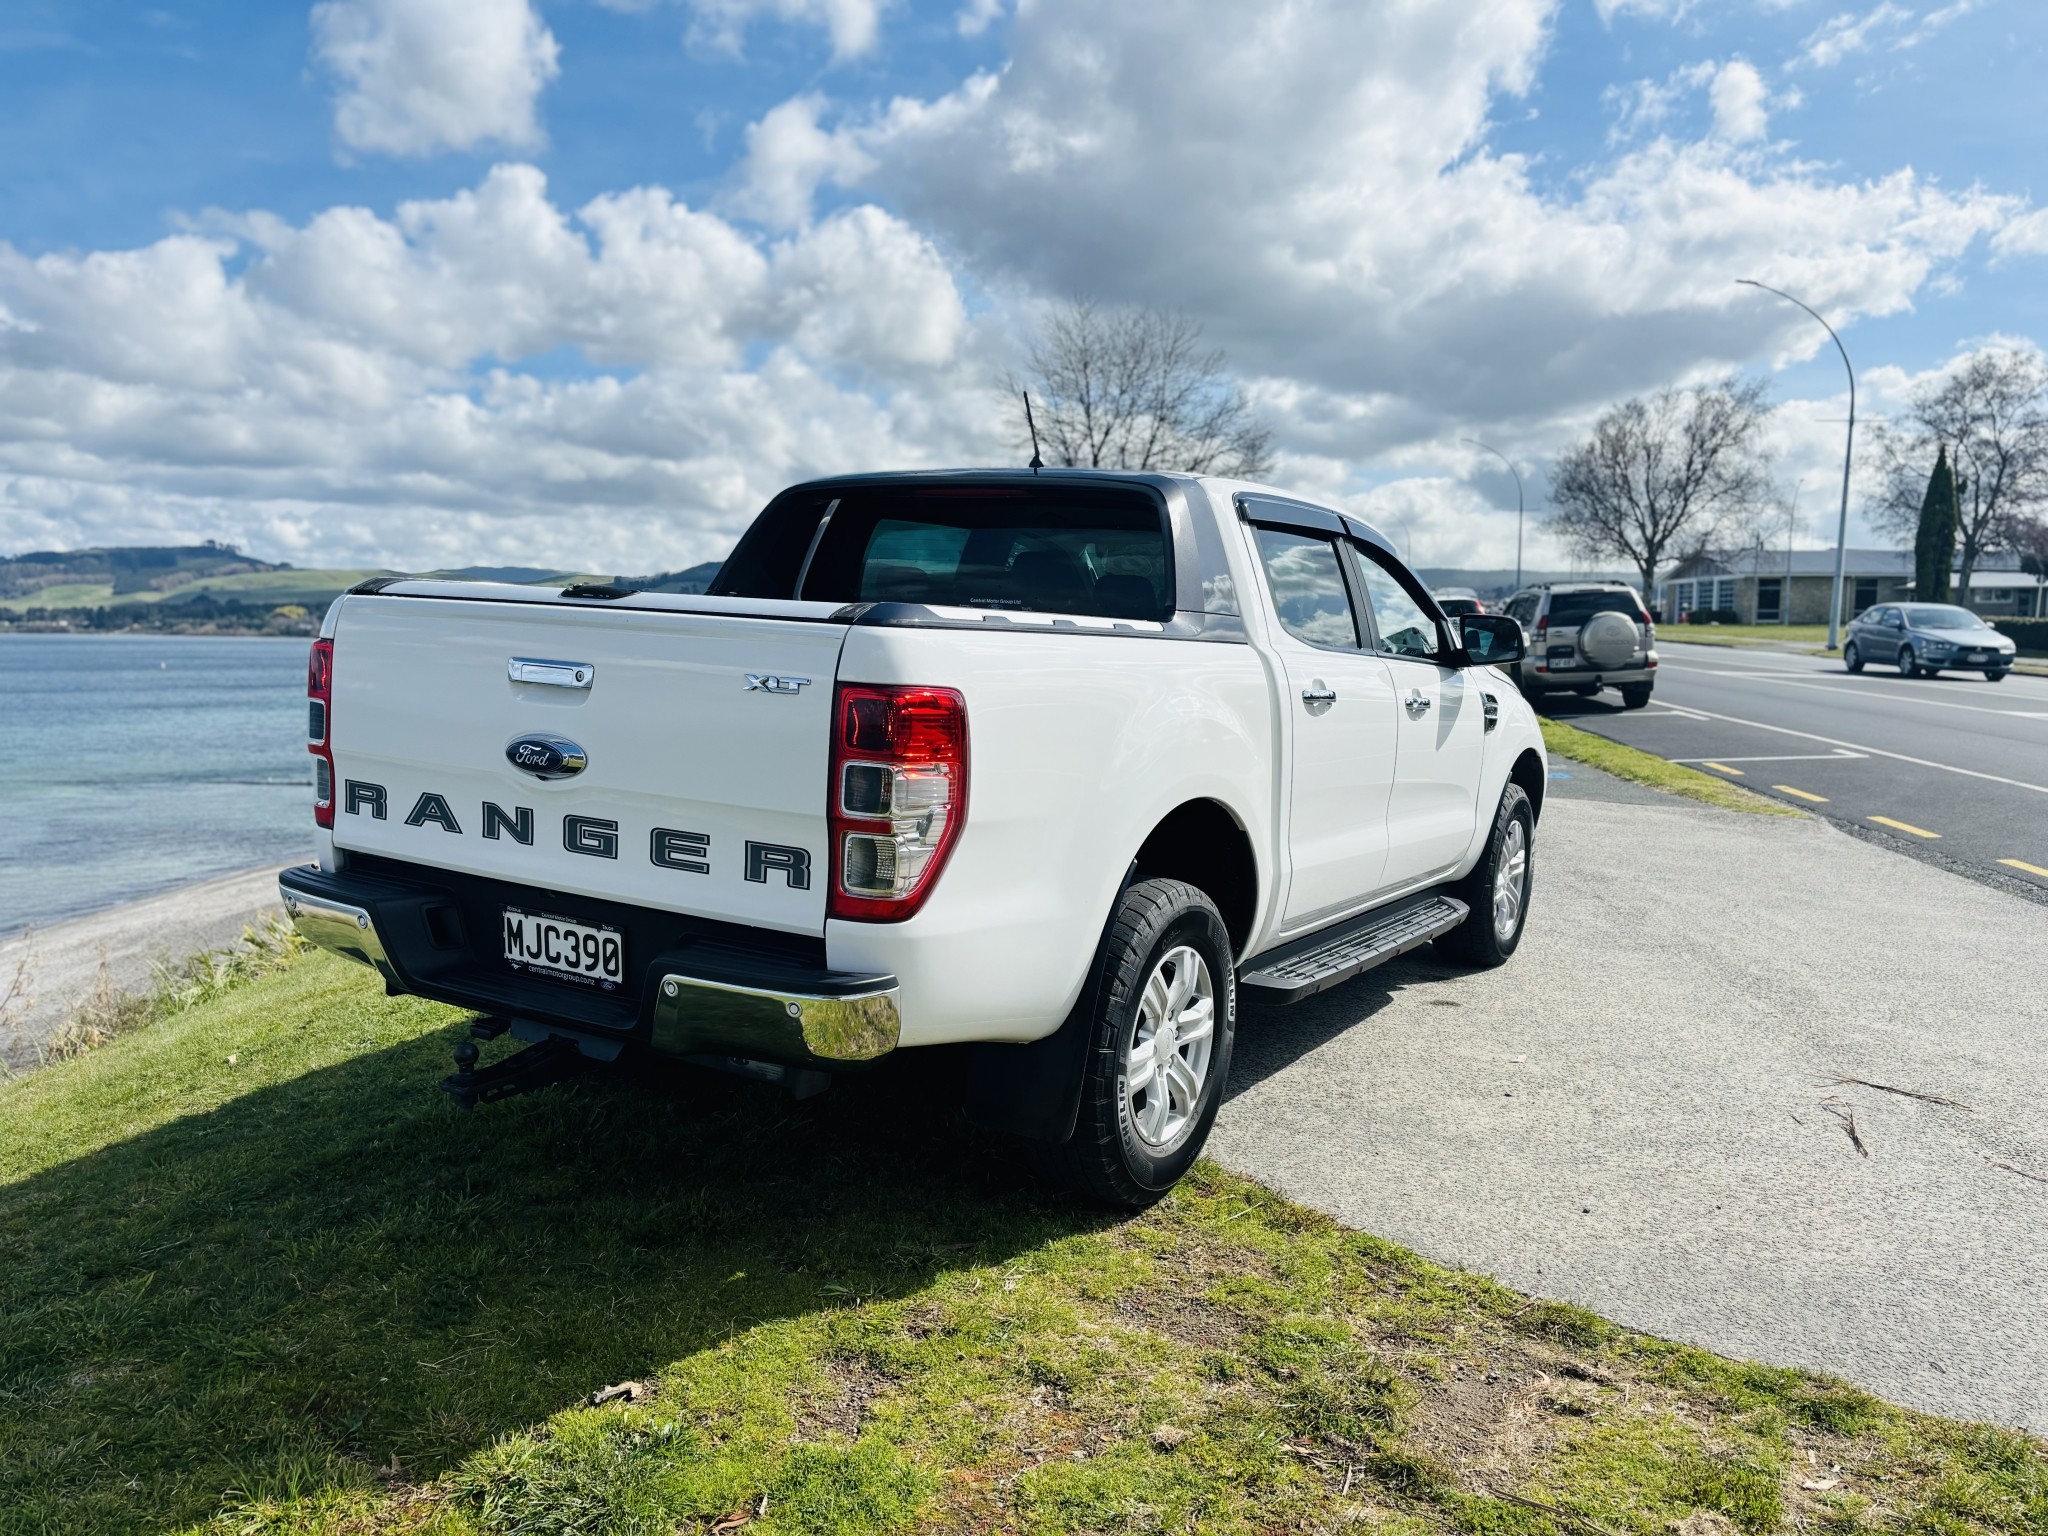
{"x": 1926, "y": 639}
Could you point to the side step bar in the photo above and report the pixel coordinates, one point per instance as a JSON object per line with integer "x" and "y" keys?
{"x": 1335, "y": 955}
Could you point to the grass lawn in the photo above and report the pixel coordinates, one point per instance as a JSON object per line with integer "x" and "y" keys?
{"x": 1563, "y": 740}
{"x": 1804, "y": 637}
{"x": 257, "y": 1275}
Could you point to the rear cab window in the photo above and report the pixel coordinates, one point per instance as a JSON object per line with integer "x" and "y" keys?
{"x": 1568, "y": 610}
{"x": 1064, "y": 550}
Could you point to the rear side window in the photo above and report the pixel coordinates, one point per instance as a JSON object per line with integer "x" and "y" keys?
{"x": 1308, "y": 588}
{"x": 1570, "y": 608}
{"x": 1104, "y": 557}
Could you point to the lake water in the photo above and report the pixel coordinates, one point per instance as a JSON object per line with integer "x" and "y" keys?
{"x": 133, "y": 763}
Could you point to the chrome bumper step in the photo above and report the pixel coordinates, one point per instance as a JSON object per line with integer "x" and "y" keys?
{"x": 1327, "y": 959}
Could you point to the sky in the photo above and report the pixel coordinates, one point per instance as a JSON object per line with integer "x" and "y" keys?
{"x": 582, "y": 283}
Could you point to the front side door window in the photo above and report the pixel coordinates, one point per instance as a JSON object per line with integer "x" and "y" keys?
{"x": 1341, "y": 729}
{"x": 1433, "y": 810}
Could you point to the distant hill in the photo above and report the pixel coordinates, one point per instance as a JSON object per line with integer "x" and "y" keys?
{"x": 131, "y": 571}
{"x": 695, "y": 579}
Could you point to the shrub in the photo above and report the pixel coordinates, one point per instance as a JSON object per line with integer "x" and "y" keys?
{"x": 2031, "y": 635}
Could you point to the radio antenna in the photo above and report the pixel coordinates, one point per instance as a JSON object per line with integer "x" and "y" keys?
{"x": 1037, "y": 463}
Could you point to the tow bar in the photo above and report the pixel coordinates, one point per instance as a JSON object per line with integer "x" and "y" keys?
{"x": 540, "y": 1064}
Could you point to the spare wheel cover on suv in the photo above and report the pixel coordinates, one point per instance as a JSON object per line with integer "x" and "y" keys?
{"x": 1607, "y": 639}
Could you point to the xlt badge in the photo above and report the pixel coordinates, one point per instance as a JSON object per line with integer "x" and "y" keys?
{"x": 546, "y": 757}
{"x": 766, "y": 682}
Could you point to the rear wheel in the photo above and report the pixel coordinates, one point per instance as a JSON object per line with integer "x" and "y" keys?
{"x": 1498, "y": 888}
{"x": 1163, "y": 1012}
{"x": 1635, "y": 695}
{"x": 1994, "y": 677}
{"x": 1907, "y": 666}
{"x": 1851, "y": 657}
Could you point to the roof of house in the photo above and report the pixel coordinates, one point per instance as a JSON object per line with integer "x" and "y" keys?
{"x": 1821, "y": 562}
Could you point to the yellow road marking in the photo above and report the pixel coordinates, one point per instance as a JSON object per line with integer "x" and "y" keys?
{"x": 1904, "y": 826}
{"x": 2032, "y": 869}
{"x": 1721, "y": 768}
{"x": 1787, "y": 789}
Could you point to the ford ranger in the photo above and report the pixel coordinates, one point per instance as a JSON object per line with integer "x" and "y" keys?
{"x": 1052, "y": 768}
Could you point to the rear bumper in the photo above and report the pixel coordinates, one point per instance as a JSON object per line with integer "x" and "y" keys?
{"x": 706, "y": 989}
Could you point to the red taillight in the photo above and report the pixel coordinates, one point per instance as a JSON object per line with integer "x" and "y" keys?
{"x": 1543, "y": 624}
{"x": 320, "y": 728}
{"x": 898, "y": 796}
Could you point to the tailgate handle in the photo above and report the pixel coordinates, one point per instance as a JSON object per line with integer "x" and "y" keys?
{"x": 551, "y": 674}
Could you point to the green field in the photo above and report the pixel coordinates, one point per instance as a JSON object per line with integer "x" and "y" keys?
{"x": 260, "y": 1277}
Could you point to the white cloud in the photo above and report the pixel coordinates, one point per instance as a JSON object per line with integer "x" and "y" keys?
{"x": 1897, "y": 28}
{"x": 787, "y": 156}
{"x": 1329, "y": 207}
{"x": 417, "y": 76}
{"x": 853, "y": 25}
{"x": 1653, "y": 10}
{"x": 490, "y": 375}
{"x": 353, "y": 384}
{"x": 1740, "y": 101}
{"x": 2024, "y": 236}
{"x": 977, "y": 16}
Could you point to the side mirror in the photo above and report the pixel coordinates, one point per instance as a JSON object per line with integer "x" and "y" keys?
{"x": 1491, "y": 639}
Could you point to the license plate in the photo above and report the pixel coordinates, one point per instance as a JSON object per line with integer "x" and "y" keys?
{"x": 566, "y": 951}
{"x": 1977, "y": 656}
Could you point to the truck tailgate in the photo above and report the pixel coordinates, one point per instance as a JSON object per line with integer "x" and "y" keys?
{"x": 699, "y": 794}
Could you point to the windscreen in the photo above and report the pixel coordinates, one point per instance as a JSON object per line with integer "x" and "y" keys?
{"x": 1100, "y": 555}
{"x": 1569, "y": 608}
{"x": 1944, "y": 618}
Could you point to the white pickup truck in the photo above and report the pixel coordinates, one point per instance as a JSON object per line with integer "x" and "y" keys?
{"x": 1050, "y": 767}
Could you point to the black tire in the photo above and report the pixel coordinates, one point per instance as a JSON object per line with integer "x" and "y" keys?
{"x": 1907, "y": 666}
{"x": 1994, "y": 677}
{"x": 1528, "y": 689}
{"x": 1851, "y": 657}
{"x": 1586, "y": 690}
{"x": 1635, "y": 695}
{"x": 1106, "y": 1159}
{"x": 1478, "y": 941}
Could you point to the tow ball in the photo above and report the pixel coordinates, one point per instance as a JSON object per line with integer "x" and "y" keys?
{"x": 540, "y": 1064}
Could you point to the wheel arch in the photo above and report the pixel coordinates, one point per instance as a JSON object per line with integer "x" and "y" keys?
{"x": 1204, "y": 843}
{"x": 1528, "y": 772}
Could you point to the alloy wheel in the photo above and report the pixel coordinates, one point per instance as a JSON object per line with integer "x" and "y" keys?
{"x": 1171, "y": 1046}
{"x": 1510, "y": 881}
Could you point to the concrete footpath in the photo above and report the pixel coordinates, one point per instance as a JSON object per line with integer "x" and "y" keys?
{"x": 132, "y": 941}
{"x": 1645, "y": 1111}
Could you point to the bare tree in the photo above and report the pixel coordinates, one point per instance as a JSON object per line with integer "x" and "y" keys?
{"x": 1130, "y": 388}
{"x": 1991, "y": 413}
{"x": 1666, "y": 478}
{"x": 2030, "y": 538}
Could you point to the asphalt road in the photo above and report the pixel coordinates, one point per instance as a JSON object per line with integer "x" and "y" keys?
{"x": 1953, "y": 770}
{"x": 1643, "y": 1111}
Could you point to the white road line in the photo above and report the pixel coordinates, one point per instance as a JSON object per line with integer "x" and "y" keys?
{"x": 1918, "y": 762}
{"x": 1841, "y": 756}
{"x": 1866, "y": 692}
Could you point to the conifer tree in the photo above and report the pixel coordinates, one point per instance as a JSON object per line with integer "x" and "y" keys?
{"x": 1934, "y": 545}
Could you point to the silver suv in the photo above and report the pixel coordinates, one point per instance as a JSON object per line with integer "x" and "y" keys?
{"x": 1584, "y": 636}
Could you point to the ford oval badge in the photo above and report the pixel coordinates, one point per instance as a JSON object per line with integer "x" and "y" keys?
{"x": 546, "y": 757}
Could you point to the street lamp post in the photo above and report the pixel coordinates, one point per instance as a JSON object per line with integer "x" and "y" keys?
{"x": 1848, "y": 454}
{"x": 1518, "y": 502}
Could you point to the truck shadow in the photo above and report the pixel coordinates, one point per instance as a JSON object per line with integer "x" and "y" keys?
{"x": 1270, "y": 1040}
{"x": 342, "y": 1273}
